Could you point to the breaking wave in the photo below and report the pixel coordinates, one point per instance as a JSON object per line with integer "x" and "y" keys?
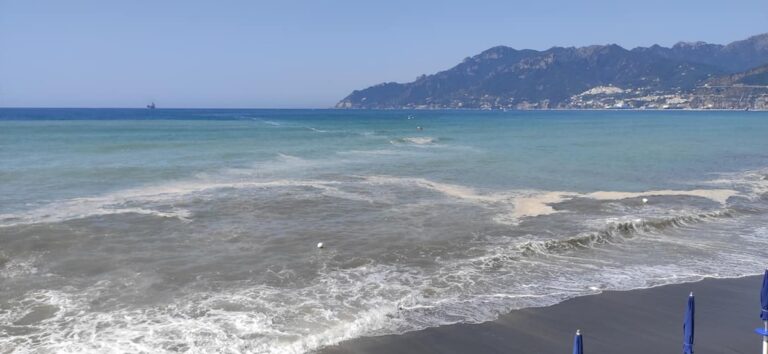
{"x": 619, "y": 231}
{"x": 416, "y": 140}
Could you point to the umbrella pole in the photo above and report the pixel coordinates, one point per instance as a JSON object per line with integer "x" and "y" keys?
{"x": 765, "y": 338}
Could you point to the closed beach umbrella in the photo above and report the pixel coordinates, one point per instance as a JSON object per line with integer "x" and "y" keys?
{"x": 690, "y": 312}
{"x": 578, "y": 343}
{"x": 764, "y": 312}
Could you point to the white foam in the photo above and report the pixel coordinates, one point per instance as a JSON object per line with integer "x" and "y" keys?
{"x": 420, "y": 140}
{"x": 340, "y": 304}
{"x": 385, "y": 152}
{"x": 452, "y": 190}
{"x": 751, "y": 183}
{"x": 719, "y": 195}
{"x": 15, "y": 267}
{"x": 79, "y": 208}
{"x": 517, "y": 204}
{"x": 260, "y": 319}
{"x": 123, "y": 202}
{"x": 513, "y": 204}
{"x": 538, "y": 204}
{"x": 317, "y": 130}
{"x": 415, "y": 140}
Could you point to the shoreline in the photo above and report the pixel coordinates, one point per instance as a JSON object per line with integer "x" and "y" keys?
{"x": 637, "y": 321}
{"x": 398, "y": 109}
{"x": 559, "y": 109}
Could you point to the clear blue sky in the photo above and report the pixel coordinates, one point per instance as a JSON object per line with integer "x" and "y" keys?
{"x": 240, "y": 53}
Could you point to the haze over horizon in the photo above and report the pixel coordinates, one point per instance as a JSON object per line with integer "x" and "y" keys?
{"x": 301, "y": 54}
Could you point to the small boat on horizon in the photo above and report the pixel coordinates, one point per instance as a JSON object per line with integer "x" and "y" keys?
{"x": 151, "y": 105}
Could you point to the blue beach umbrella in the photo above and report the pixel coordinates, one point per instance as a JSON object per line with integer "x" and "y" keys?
{"x": 690, "y": 312}
{"x": 764, "y": 312}
{"x": 578, "y": 343}
{"x": 764, "y": 298}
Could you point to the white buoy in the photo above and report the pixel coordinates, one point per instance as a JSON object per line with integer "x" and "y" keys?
{"x": 645, "y": 200}
{"x": 320, "y": 245}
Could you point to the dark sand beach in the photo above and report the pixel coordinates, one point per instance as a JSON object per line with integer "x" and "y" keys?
{"x": 639, "y": 321}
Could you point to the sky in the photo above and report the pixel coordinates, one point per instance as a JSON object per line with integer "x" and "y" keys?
{"x": 306, "y": 54}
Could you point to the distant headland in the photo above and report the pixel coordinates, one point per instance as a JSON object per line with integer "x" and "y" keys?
{"x": 689, "y": 75}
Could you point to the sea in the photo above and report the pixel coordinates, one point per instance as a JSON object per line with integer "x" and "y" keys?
{"x": 197, "y": 231}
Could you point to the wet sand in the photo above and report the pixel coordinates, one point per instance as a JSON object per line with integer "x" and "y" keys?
{"x": 639, "y": 321}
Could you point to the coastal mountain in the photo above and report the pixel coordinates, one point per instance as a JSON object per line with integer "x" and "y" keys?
{"x": 743, "y": 90}
{"x": 503, "y": 77}
{"x": 756, "y": 76}
{"x": 734, "y": 57}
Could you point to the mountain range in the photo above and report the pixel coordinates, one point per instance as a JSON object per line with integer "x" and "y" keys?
{"x": 503, "y": 77}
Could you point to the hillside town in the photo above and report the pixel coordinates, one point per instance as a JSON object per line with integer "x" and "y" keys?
{"x": 737, "y": 97}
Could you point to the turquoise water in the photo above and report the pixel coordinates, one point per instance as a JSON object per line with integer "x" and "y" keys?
{"x": 178, "y": 230}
